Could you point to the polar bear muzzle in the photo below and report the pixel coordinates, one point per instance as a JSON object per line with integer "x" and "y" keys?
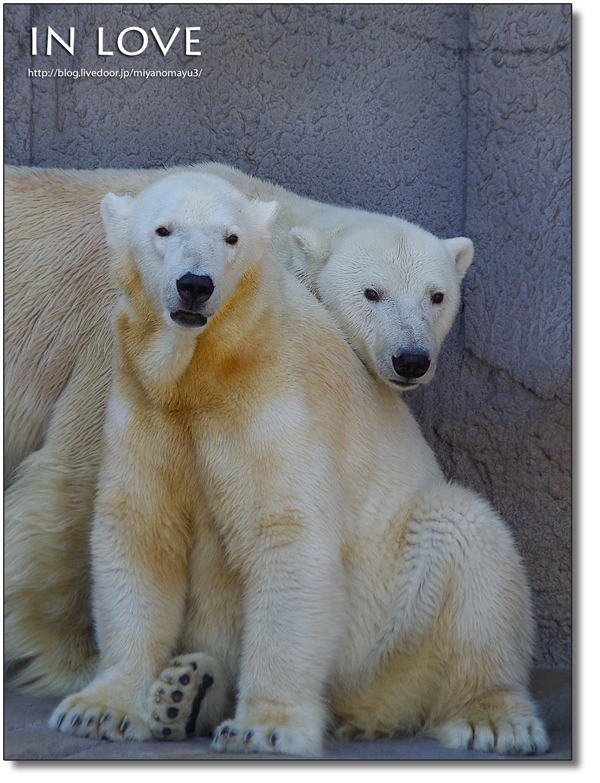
{"x": 411, "y": 366}
{"x": 194, "y": 291}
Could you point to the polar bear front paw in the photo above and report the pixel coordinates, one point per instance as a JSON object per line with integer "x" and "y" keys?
{"x": 502, "y": 722}
{"x": 235, "y": 736}
{"x": 189, "y": 698}
{"x": 94, "y": 717}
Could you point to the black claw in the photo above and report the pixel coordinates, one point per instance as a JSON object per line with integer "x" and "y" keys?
{"x": 172, "y": 712}
{"x": 232, "y": 733}
{"x": 273, "y": 739}
{"x": 105, "y": 717}
{"x": 105, "y": 737}
{"x": 75, "y": 721}
{"x": 248, "y": 736}
{"x": 124, "y": 725}
{"x": 166, "y": 731}
{"x": 177, "y": 696}
{"x": 89, "y": 721}
{"x": 184, "y": 679}
{"x": 60, "y": 720}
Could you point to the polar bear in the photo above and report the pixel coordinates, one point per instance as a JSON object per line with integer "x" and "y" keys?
{"x": 392, "y": 287}
{"x": 271, "y": 511}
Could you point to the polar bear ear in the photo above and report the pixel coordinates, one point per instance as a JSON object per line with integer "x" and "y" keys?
{"x": 311, "y": 248}
{"x": 116, "y": 212}
{"x": 462, "y": 251}
{"x": 265, "y": 213}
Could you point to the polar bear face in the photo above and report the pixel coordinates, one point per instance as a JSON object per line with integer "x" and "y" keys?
{"x": 393, "y": 288}
{"x": 191, "y": 237}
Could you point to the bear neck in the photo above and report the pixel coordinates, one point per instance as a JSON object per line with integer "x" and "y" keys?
{"x": 186, "y": 372}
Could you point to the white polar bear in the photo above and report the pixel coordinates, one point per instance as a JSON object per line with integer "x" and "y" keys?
{"x": 392, "y": 287}
{"x": 265, "y": 501}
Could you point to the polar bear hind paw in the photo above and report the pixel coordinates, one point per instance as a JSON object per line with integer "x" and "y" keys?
{"x": 504, "y": 723}
{"x": 189, "y": 698}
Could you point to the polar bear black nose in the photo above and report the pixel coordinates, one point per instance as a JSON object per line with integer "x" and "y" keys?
{"x": 411, "y": 365}
{"x": 194, "y": 290}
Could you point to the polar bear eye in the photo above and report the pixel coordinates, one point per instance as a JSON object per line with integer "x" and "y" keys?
{"x": 162, "y": 231}
{"x": 231, "y": 239}
{"x": 437, "y": 298}
{"x": 372, "y": 294}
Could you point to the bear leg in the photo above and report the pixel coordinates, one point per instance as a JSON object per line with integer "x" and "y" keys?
{"x": 454, "y": 658}
{"x": 48, "y": 513}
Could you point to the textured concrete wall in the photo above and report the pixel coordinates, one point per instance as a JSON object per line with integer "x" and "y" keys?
{"x": 452, "y": 116}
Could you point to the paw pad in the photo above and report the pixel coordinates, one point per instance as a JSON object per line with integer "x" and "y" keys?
{"x": 197, "y": 700}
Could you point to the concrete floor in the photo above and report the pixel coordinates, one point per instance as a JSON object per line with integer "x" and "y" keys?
{"x": 28, "y": 737}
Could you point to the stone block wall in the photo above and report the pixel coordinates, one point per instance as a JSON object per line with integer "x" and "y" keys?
{"x": 456, "y": 117}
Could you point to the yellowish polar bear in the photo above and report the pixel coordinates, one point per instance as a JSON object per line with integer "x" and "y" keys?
{"x": 393, "y": 288}
{"x": 269, "y": 510}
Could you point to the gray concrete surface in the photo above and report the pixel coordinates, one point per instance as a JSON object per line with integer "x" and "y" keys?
{"x": 453, "y": 116}
{"x": 28, "y": 737}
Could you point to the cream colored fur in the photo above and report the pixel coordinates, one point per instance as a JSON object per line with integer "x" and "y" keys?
{"x": 58, "y": 354}
{"x": 267, "y": 504}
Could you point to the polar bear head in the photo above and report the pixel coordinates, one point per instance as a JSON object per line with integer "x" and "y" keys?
{"x": 190, "y": 238}
{"x": 392, "y": 287}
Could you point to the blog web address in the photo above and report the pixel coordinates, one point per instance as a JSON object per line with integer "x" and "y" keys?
{"x": 119, "y": 73}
